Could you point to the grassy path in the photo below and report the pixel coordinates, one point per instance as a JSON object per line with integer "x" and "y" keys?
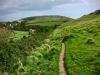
{"x": 62, "y": 70}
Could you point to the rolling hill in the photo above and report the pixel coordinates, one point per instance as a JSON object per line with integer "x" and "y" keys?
{"x": 48, "y": 20}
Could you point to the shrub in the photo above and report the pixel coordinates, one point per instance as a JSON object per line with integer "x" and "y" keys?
{"x": 95, "y": 34}
{"x": 52, "y": 51}
{"x": 97, "y": 12}
{"x": 4, "y": 35}
{"x": 90, "y": 41}
{"x": 24, "y": 37}
{"x": 90, "y": 30}
{"x": 8, "y": 57}
{"x": 66, "y": 37}
{"x": 97, "y": 70}
{"x": 11, "y": 40}
{"x": 98, "y": 55}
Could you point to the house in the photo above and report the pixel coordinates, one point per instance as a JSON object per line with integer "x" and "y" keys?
{"x": 32, "y": 30}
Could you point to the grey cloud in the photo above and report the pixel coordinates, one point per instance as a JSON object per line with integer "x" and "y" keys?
{"x": 2, "y": 2}
{"x": 13, "y": 6}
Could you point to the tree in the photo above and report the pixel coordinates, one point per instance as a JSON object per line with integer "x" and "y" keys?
{"x": 23, "y": 22}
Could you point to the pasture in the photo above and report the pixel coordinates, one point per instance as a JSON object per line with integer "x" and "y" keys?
{"x": 18, "y": 35}
{"x": 46, "y": 23}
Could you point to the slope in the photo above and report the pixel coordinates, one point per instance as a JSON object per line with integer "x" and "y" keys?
{"x": 49, "y": 20}
{"x": 82, "y": 55}
{"x": 82, "y": 38}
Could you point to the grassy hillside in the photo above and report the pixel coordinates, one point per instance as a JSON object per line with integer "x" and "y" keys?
{"x": 46, "y": 23}
{"x": 82, "y": 38}
{"x": 82, "y": 49}
{"x": 49, "y": 20}
{"x": 33, "y": 55}
{"x": 39, "y": 54}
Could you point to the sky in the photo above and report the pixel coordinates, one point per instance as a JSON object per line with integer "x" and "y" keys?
{"x": 11, "y": 10}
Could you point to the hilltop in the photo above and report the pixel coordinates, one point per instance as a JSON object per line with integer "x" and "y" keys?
{"x": 46, "y": 20}
{"x": 90, "y": 16}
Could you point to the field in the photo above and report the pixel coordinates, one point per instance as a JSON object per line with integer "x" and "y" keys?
{"x": 49, "y": 20}
{"x": 46, "y": 23}
{"x": 45, "y": 18}
{"x": 18, "y": 35}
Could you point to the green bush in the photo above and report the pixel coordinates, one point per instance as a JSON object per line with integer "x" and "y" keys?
{"x": 11, "y": 51}
{"x": 11, "y": 40}
{"x": 97, "y": 70}
{"x": 90, "y": 41}
{"x": 66, "y": 37}
{"x": 8, "y": 57}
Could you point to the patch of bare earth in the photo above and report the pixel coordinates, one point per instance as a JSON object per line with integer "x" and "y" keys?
{"x": 62, "y": 70}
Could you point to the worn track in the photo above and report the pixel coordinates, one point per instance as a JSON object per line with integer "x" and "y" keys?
{"x": 62, "y": 69}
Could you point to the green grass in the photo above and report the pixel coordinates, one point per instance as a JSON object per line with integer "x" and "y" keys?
{"x": 82, "y": 56}
{"x": 47, "y": 18}
{"x": 46, "y": 23}
{"x": 18, "y": 35}
{"x": 45, "y": 59}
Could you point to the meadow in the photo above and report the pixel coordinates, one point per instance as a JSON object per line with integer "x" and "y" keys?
{"x": 49, "y": 20}
{"x": 45, "y": 23}
{"x": 18, "y": 35}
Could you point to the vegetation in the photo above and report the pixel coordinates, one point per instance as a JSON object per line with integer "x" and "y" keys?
{"x": 46, "y": 23}
{"x": 38, "y": 53}
{"x": 18, "y": 35}
{"x": 4, "y": 35}
{"x": 38, "y": 19}
{"x": 15, "y": 54}
{"x": 82, "y": 50}
{"x": 49, "y": 20}
{"x": 82, "y": 44}
{"x": 25, "y": 55}
{"x": 37, "y": 27}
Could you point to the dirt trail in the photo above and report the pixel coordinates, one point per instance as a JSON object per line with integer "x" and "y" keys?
{"x": 62, "y": 70}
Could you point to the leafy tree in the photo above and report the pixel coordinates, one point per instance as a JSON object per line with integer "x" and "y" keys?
{"x": 23, "y": 22}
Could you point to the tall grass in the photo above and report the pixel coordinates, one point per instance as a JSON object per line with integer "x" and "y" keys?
{"x": 82, "y": 51}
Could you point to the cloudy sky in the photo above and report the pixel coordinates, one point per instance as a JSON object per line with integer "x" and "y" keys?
{"x": 16, "y": 9}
